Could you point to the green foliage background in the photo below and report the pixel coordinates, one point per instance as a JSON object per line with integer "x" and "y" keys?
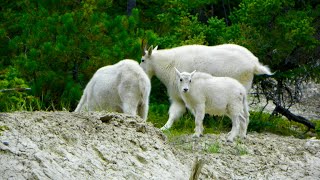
{"x": 55, "y": 46}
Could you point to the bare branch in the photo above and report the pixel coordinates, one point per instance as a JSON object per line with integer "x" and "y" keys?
{"x": 15, "y": 89}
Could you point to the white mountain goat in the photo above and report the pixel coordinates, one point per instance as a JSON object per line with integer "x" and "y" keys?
{"x": 122, "y": 87}
{"x": 203, "y": 93}
{"x": 223, "y": 60}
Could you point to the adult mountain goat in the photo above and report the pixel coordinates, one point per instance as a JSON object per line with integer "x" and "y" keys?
{"x": 224, "y": 60}
{"x": 122, "y": 87}
{"x": 203, "y": 93}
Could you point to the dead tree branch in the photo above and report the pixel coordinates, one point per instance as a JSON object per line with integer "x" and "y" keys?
{"x": 291, "y": 116}
{"x": 15, "y": 89}
{"x": 283, "y": 93}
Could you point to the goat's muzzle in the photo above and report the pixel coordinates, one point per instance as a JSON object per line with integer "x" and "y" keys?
{"x": 185, "y": 90}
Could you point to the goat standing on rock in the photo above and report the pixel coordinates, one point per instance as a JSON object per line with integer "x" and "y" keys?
{"x": 203, "y": 93}
{"x": 122, "y": 87}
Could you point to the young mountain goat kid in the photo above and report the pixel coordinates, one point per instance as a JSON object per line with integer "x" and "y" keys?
{"x": 203, "y": 93}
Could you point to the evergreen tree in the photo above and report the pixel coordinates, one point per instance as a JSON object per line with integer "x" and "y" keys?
{"x": 57, "y": 45}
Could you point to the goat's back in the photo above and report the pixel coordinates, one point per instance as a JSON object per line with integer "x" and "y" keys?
{"x": 216, "y": 92}
{"x": 111, "y": 85}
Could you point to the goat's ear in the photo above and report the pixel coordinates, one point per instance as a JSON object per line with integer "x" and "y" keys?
{"x": 150, "y": 50}
{"x": 155, "y": 48}
{"x": 193, "y": 73}
{"x": 144, "y": 50}
{"x": 144, "y": 46}
{"x": 177, "y": 72}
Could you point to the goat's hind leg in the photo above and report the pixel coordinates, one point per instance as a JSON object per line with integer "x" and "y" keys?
{"x": 143, "y": 111}
{"x": 244, "y": 120}
{"x": 130, "y": 105}
{"x": 235, "y": 128}
{"x": 243, "y": 126}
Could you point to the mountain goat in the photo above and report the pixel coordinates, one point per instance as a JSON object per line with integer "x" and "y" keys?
{"x": 203, "y": 93}
{"x": 223, "y": 60}
{"x": 122, "y": 87}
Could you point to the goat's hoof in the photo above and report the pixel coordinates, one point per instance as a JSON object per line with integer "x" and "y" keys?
{"x": 197, "y": 135}
{"x": 244, "y": 137}
{"x": 164, "y": 128}
{"x": 229, "y": 140}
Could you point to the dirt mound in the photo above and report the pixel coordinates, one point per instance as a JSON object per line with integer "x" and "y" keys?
{"x": 260, "y": 156}
{"x": 63, "y": 145}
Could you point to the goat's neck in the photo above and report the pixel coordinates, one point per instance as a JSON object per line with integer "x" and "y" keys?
{"x": 164, "y": 68}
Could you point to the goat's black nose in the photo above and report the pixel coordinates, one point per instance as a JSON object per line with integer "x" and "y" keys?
{"x": 185, "y": 89}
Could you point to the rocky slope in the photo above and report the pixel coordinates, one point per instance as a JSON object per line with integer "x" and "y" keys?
{"x": 63, "y": 145}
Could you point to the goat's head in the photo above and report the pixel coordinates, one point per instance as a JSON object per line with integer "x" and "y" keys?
{"x": 184, "y": 80}
{"x": 146, "y": 60}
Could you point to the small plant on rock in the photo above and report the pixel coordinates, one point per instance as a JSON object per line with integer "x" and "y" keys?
{"x": 214, "y": 148}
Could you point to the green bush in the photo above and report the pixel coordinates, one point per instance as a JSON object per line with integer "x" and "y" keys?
{"x": 15, "y": 94}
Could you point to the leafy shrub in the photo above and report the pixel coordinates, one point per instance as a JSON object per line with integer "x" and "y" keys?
{"x": 13, "y": 95}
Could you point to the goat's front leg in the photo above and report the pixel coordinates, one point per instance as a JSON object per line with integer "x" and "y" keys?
{"x": 176, "y": 110}
{"x": 199, "y": 113}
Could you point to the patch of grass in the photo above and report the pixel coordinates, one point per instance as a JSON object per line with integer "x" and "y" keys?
{"x": 185, "y": 123}
{"x": 317, "y": 129}
{"x": 264, "y": 122}
{"x": 259, "y": 122}
{"x": 216, "y": 124}
{"x": 3, "y": 128}
{"x": 158, "y": 114}
{"x": 240, "y": 148}
{"x": 214, "y": 148}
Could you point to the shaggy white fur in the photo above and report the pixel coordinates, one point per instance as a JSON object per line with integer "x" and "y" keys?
{"x": 203, "y": 93}
{"x": 226, "y": 60}
{"x": 122, "y": 87}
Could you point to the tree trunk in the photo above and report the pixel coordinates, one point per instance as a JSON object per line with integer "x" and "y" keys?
{"x": 130, "y": 5}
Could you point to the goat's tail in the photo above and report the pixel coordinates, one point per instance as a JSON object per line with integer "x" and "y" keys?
{"x": 245, "y": 105}
{"x": 261, "y": 69}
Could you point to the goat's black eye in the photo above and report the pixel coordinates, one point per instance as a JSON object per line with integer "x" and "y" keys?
{"x": 142, "y": 60}
{"x": 180, "y": 80}
{"x": 190, "y": 80}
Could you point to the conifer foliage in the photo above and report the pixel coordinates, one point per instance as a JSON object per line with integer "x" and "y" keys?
{"x": 55, "y": 46}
